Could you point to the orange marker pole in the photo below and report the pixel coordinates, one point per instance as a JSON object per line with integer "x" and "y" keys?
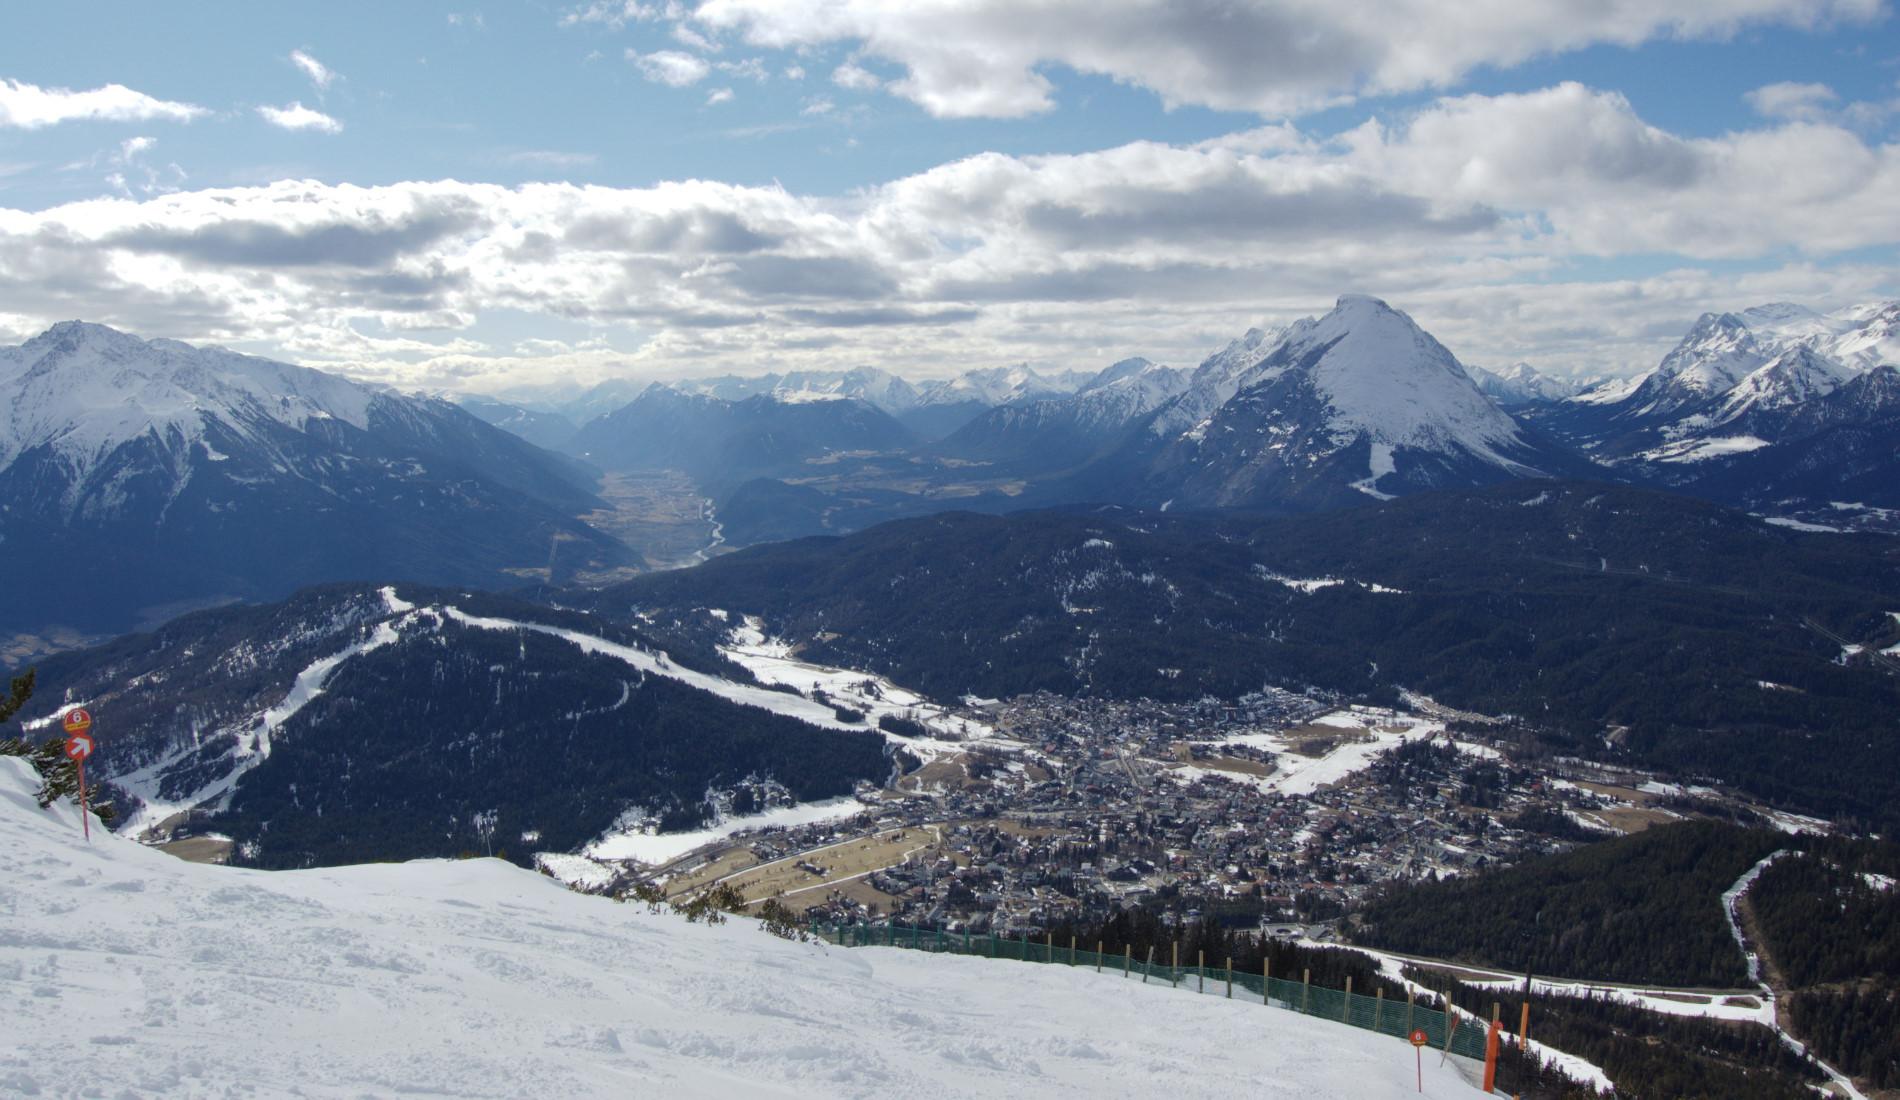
{"x": 85, "y": 818}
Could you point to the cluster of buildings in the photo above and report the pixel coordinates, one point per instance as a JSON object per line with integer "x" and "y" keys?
{"x": 1080, "y": 807}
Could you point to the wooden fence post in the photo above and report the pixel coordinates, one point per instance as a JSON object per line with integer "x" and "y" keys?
{"x": 1174, "y": 966}
{"x": 1230, "y": 977}
{"x": 1345, "y": 1014}
{"x": 1049, "y": 947}
{"x": 1128, "y": 959}
{"x": 1149, "y": 965}
{"x": 1306, "y": 988}
{"x": 1266, "y": 981}
{"x": 1072, "y": 949}
{"x": 1098, "y": 956}
{"x": 1378, "y": 1009}
{"x": 1200, "y": 970}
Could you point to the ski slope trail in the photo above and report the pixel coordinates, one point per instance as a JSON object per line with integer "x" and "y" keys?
{"x": 131, "y": 973}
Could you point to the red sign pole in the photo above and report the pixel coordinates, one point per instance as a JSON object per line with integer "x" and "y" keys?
{"x": 85, "y": 819}
{"x": 78, "y": 725}
{"x": 1418, "y": 1039}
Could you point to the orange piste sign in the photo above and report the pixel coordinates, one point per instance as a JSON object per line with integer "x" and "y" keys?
{"x": 77, "y": 720}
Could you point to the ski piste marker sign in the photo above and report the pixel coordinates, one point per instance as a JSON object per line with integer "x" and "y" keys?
{"x": 78, "y": 726}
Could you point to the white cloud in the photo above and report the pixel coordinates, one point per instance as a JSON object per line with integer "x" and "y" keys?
{"x": 820, "y": 105}
{"x": 692, "y": 39}
{"x": 320, "y": 74}
{"x": 794, "y": 72}
{"x": 717, "y": 96}
{"x": 855, "y": 77}
{"x": 29, "y": 107}
{"x": 1788, "y": 99}
{"x": 610, "y": 13}
{"x": 752, "y": 68}
{"x": 1274, "y": 57}
{"x": 670, "y": 67}
{"x": 296, "y": 116}
{"x": 1471, "y": 212}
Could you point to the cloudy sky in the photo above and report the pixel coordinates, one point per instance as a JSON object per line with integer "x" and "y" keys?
{"x": 502, "y": 195}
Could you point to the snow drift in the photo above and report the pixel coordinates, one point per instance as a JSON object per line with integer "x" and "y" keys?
{"x": 129, "y": 970}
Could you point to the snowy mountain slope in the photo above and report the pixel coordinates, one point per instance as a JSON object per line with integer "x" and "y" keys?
{"x": 1214, "y": 381}
{"x": 305, "y": 729}
{"x": 1360, "y": 401}
{"x": 1765, "y": 357}
{"x": 477, "y": 979}
{"x": 1775, "y": 408}
{"x": 154, "y": 474}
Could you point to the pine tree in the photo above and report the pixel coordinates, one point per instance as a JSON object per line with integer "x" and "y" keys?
{"x": 59, "y": 776}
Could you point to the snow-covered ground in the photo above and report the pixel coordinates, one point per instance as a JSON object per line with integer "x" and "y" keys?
{"x": 127, "y": 972}
{"x": 660, "y": 847}
{"x": 771, "y": 660}
{"x": 1378, "y": 729}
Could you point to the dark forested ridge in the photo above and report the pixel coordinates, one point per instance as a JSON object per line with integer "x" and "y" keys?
{"x": 428, "y": 726}
{"x": 1643, "y": 909}
{"x": 1647, "y": 909}
{"x": 1829, "y": 922}
{"x": 1644, "y": 1054}
{"x": 413, "y": 740}
{"x": 1580, "y": 607}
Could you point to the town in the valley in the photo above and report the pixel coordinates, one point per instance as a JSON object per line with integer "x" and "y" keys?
{"x": 1280, "y": 807}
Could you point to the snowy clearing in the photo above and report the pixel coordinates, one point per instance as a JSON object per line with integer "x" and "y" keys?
{"x": 771, "y": 660}
{"x": 1803, "y": 525}
{"x": 651, "y": 848}
{"x": 1296, "y": 774}
{"x": 1699, "y": 450}
{"x": 474, "y": 978}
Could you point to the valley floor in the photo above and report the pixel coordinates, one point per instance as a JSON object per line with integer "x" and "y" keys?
{"x": 135, "y": 973}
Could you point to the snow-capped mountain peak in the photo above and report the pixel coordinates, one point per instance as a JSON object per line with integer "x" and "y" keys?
{"x": 84, "y": 390}
{"x": 1215, "y": 381}
{"x": 1116, "y": 372}
{"x": 1383, "y": 375}
{"x": 1797, "y": 375}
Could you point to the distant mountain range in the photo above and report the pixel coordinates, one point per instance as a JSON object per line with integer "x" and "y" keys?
{"x": 1520, "y": 384}
{"x": 724, "y": 443}
{"x": 140, "y": 477}
{"x": 1766, "y": 407}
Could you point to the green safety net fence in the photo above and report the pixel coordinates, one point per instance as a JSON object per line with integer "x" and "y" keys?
{"x": 1388, "y": 1016}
